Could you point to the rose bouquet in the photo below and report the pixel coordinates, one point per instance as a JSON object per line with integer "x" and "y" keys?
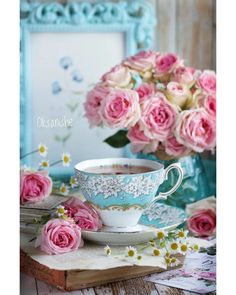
{"x": 160, "y": 105}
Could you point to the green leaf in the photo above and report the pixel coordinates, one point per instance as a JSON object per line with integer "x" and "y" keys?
{"x": 118, "y": 140}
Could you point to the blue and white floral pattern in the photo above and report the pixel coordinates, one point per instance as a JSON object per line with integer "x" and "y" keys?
{"x": 161, "y": 215}
{"x": 109, "y": 186}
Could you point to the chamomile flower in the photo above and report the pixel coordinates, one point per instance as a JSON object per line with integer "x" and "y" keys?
{"x": 73, "y": 181}
{"x": 66, "y": 159}
{"x": 131, "y": 252}
{"x": 168, "y": 260}
{"x": 139, "y": 257}
{"x": 152, "y": 243}
{"x": 161, "y": 234}
{"x": 156, "y": 252}
{"x": 44, "y": 164}
{"x": 183, "y": 248}
{"x": 43, "y": 150}
{"x": 174, "y": 261}
{"x": 173, "y": 247}
{"x": 107, "y": 250}
{"x": 64, "y": 189}
{"x": 61, "y": 211}
{"x": 182, "y": 234}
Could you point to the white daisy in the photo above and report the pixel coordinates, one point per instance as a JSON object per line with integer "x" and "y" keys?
{"x": 66, "y": 159}
{"x": 157, "y": 252}
{"x": 183, "y": 248}
{"x": 73, "y": 181}
{"x": 61, "y": 211}
{"x": 131, "y": 252}
{"x": 44, "y": 163}
{"x": 173, "y": 247}
{"x": 182, "y": 234}
{"x": 43, "y": 150}
{"x": 161, "y": 234}
{"x": 64, "y": 189}
{"x": 107, "y": 250}
{"x": 174, "y": 261}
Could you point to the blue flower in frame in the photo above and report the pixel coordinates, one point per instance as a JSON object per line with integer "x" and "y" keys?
{"x": 56, "y": 88}
{"x": 76, "y": 76}
{"x": 66, "y": 62}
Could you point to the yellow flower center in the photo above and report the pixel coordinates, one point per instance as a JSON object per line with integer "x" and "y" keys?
{"x": 160, "y": 235}
{"x": 72, "y": 180}
{"x": 174, "y": 246}
{"x": 173, "y": 260}
{"x": 139, "y": 257}
{"x": 63, "y": 189}
{"x": 167, "y": 260}
{"x": 156, "y": 252}
{"x": 66, "y": 159}
{"x": 45, "y": 164}
{"x": 167, "y": 254}
{"x": 42, "y": 149}
{"x": 60, "y": 210}
{"x": 181, "y": 234}
{"x": 131, "y": 253}
{"x": 184, "y": 248}
{"x": 108, "y": 251}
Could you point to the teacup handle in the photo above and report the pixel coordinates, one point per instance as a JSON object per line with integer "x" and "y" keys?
{"x": 163, "y": 196}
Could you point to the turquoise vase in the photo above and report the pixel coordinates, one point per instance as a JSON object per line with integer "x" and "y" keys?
{"x": 195, "y": 185}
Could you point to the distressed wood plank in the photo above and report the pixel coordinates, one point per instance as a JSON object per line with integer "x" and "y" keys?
{"x": 46, "y": 289}
{"x": 166, "y": 27}
{"x": 139, "y": 287}
{"x": 117, "y": 288}
{"x": 194, "y": 32}
{"x": 164, "y": 290}
{"x": 27, "y": 285}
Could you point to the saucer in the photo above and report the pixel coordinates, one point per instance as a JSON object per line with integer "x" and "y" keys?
{"x": 158, "y": 216}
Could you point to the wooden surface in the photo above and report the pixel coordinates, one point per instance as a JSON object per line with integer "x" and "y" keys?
{"x": 187, "y": 27}
{"x": 79, "y": 279}
{"x": 30, "y": 286}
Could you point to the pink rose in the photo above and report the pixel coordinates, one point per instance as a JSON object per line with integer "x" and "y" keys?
{"x": 166, "y": 63}
{"x": 207, "y": 81}
{"x": 202, "y": 222}
{"x": 93, "y": 103}
{"x": 34, "y": 186}
{"x": 121, "y": 108}
{"x": 140, "y": 142}
{"x": 60, "y": 236}
{"x": 83, "y": 214}
{"x": 196, "y": 130}
{"x": 208, "y": 102}
{"x": 174, "y": 148}
{"x": 142, "y": 61}
{"x": 158, "y": 117}
{"x": 178, "y": 94}
{"x": 184, "y": 75}
{"x": 119, "y": 76}
{"x": 145, "y": 91}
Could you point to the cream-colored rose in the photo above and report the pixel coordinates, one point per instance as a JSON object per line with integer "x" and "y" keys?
{"x": 178, "y": 94}
{"x": 119, "y": 76}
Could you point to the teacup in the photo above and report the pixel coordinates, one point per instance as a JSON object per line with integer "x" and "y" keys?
{"x": 120, "y": 199}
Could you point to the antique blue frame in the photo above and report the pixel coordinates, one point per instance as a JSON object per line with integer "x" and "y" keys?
{"x": 134, "y": 18}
